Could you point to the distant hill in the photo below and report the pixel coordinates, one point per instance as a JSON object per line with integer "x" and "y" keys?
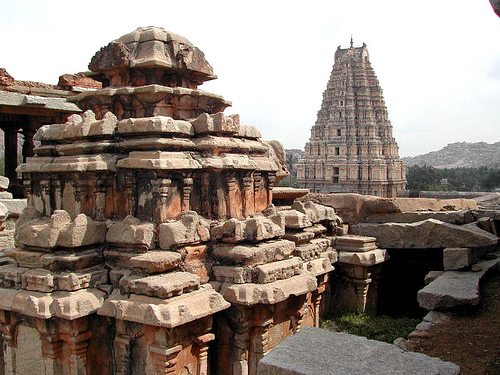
{"x": 460, "y": 155}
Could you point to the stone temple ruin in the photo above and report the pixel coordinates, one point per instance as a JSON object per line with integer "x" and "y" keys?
{"x": 150, "y": 232}
{"x": 151, "y": 245}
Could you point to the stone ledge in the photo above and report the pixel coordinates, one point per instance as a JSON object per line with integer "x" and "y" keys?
{"x": 65, "y": 305}
{"x": 167, "y": 313}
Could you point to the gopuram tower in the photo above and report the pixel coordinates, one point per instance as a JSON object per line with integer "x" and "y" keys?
{"x": 351, "y": 148}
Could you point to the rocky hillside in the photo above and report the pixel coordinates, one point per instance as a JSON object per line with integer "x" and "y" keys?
{"x": 460, "y": 155}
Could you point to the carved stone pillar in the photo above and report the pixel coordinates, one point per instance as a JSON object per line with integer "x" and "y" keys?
{"x": 8, "y": 328}
{"x": 45, "y": 197}
{"x": 248, "y": 196}
{"x": 202, "y": 342}
{"x": 271, "y": 180}
{"x": 10, "y": 139}
{"x": 28, "y": 145}
{"x": 163, "y": 190}
{"x": 77, "y": 343}
{"x": 234, "y": 203}
{"x": 57, "y": 188}
{"x": 51, "y": 346}
{"x": 260, "y": 194}
{"x": 28, "y": 191}
{"x": 187, "y": 187}
{"x": 260, "y": 341}
{"x": 129, "y": 197}
{"x": 164, "y": 359}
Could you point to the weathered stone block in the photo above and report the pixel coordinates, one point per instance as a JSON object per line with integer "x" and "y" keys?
{"x": 367, "y": 258}
{"x": 270, "y": 272}
{"x": 315, "y": 212}
{"x": 165, "y": 285}
{"x": 189, "y": 229}
{"x": 271, "y": 293}
{"x": 168, "y": 313}
{"x": 295, "y": 219}
{"x": 299, "y": 237}
{"x": 261, "y": 253}
{"x": 131, "y": 233}
{"x": 425, "y": 234}
{"x": 355, "y": 243}
{"x": 155, "y": 125}
{"x": 318, "y": 266}
{"x": 455, "y": 258}
{"x": 317, "y": 351}
{"x": 253, "y": 229}
{"x": 149, "y": 262}
{"x": 216, "y": 123}
{"x": 60, "y": 230}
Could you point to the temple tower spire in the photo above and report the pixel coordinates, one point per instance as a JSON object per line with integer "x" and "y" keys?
{"x": 351, "y": 148}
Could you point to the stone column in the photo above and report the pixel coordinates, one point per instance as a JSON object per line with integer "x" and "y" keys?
{"x": 248, "y": 196}
{"x": 8, "y": 328}
{"x": 45, "y": 197}
{"x": 28, "y": 146}
{"x": 164, "y": 359}
{"x": 163, "y": 190}
{"x": 10, "y": 137}
{"x": 260, "y": 341}
{"x": 57, "y": 187}
{"x": 187, "y": 187}
{"x": 51, "y": 346}
{"x": 77, "y": 342}
{"x": 202, "y": 342}
{"x": 271, "y": 179}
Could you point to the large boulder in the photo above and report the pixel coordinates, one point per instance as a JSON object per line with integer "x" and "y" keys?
{"x": 425, "y": 234}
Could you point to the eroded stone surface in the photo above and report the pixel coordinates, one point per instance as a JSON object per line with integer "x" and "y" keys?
{"x": 162, "y": 286}
{"x": 255, "y": 229}
{"x": 189, "y": 229}
{"x": 264, "y": 252}
{"x": 317, "y": 351}
{"x": 131, "y": 233}
{"x": 455, "y": 258}
{"x": 367, "y": 258}
{"x": 315, "y": 212}
{"x": 425, "y": 234}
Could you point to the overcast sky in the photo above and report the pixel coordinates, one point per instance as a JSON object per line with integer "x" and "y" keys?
{"x": 438, "y": 61}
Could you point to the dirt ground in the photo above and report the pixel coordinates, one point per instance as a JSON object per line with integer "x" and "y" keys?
{"x": 471, "y": 337}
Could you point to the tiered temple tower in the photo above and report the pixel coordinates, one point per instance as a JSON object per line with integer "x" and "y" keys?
{"x": 150, "y": 244}
{"x": 351, "y": 148}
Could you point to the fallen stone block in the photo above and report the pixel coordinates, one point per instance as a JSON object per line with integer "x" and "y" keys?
{"x": 150, "y": 262}
{"x": 295, "y": 219}
{"x": 453, "y": 288}
{"x": 253, "y": 230}
{"x": 431, "y": 276}
{"x": 455, "y": 258}
{"x": 425, "y": 234}
{"x": 317, "y": 351}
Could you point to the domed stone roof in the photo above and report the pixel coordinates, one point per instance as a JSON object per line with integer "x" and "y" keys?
{"x": 152, "y": 47}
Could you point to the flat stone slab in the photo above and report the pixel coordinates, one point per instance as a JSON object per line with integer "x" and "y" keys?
{"x": 454, "y": 288}
{"x": 355, "y": 243}
{"x": 315, "y": 351}
{"x": 427, "y": 234}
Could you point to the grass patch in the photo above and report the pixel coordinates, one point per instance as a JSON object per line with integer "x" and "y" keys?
{"x": 382, "y": 328}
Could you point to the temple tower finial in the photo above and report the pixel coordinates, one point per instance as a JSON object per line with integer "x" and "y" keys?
{"x": 351, "y": 41}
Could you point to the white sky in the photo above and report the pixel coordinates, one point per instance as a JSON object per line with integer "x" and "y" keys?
{"x": 438, "y": 61}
